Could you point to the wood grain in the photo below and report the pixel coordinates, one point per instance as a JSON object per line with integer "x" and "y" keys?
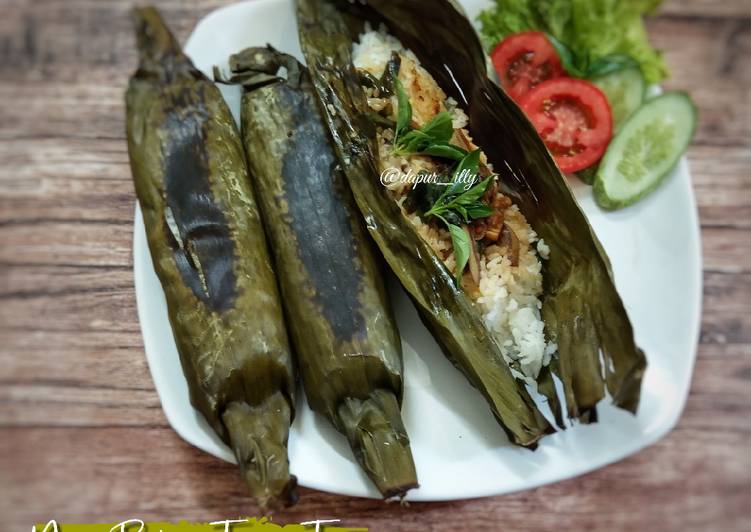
{"x": 82, "y": 434}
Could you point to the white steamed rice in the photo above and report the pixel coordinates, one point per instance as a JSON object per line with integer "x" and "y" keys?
{"x": 508, "y": 296}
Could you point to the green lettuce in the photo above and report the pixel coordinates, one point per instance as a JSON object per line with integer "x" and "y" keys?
{"x": 590, "y": 28}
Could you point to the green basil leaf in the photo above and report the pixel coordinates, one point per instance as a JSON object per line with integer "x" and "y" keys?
{"x": 422, "y": 197}
{"x": 404, "y": 112}
{"x": 413, "y": 142}
{"x": 445, "y": 151}
{"x": 469, "y": 165}
{"x": 440, "y": 128}
{"x": 479, "y": 210}
{"x": 460, "y": 240}
{"x": 461, "y": 211}
{"x": 474, "y": 194}
{"x": 452, "y": 217}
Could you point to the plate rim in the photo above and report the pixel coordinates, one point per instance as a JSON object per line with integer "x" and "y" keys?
{"x": 682, "y": 169}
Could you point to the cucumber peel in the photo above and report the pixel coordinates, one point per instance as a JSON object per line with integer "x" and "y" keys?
{"x": 625, "y": 90}
{"x": 646, "y": 150}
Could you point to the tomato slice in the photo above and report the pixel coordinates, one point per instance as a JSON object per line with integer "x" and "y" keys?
{"x": 524, "y": 60}
{"x": 574, "y": 119}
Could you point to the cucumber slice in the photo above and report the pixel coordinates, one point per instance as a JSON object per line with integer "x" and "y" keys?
{"x": 646, "y": 150}
{"x": 625, "y": 90}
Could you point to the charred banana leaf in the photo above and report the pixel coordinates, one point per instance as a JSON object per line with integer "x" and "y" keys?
{"x": 339, "y": 316}
{"x": 326, "y": 39}
{"x": 582, "y": 310}
{"x": 209, "y": 251}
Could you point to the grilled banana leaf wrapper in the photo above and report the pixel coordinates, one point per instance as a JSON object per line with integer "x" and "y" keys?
{"x": 583, "y": 312}
{"x": 326, "y": 35}
{"x": 338, "y": 312}
{"x": 210, "y": 254}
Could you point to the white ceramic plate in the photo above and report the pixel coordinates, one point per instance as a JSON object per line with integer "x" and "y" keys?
{"x": 459, "y": 449}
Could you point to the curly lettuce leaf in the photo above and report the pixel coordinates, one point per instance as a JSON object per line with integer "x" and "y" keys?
{"x": 591, "y": 28}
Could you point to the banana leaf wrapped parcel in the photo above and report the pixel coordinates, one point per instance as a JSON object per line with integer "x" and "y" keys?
{"x": 210, "y": 254}
{"x": 470, "y": 211}
{"x": 338, "y": 313}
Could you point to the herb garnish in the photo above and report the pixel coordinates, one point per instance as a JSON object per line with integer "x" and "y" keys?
{"x": 403, "y": 112}
{"x": 434, "y": 138}
{"x": 458, "y": 206}
{"x": 455, "y": 206}
{"x": 465, "y": 206}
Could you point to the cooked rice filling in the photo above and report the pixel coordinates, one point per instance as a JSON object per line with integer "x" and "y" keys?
{"x": 505, "y": 281}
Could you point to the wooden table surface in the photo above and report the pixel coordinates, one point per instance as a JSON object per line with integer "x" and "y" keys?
{"x": 82, "y": 433}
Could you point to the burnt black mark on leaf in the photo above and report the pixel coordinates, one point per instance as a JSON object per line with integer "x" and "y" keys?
{"x": 317, "y": 200}
{"x": 198, "y": 230}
